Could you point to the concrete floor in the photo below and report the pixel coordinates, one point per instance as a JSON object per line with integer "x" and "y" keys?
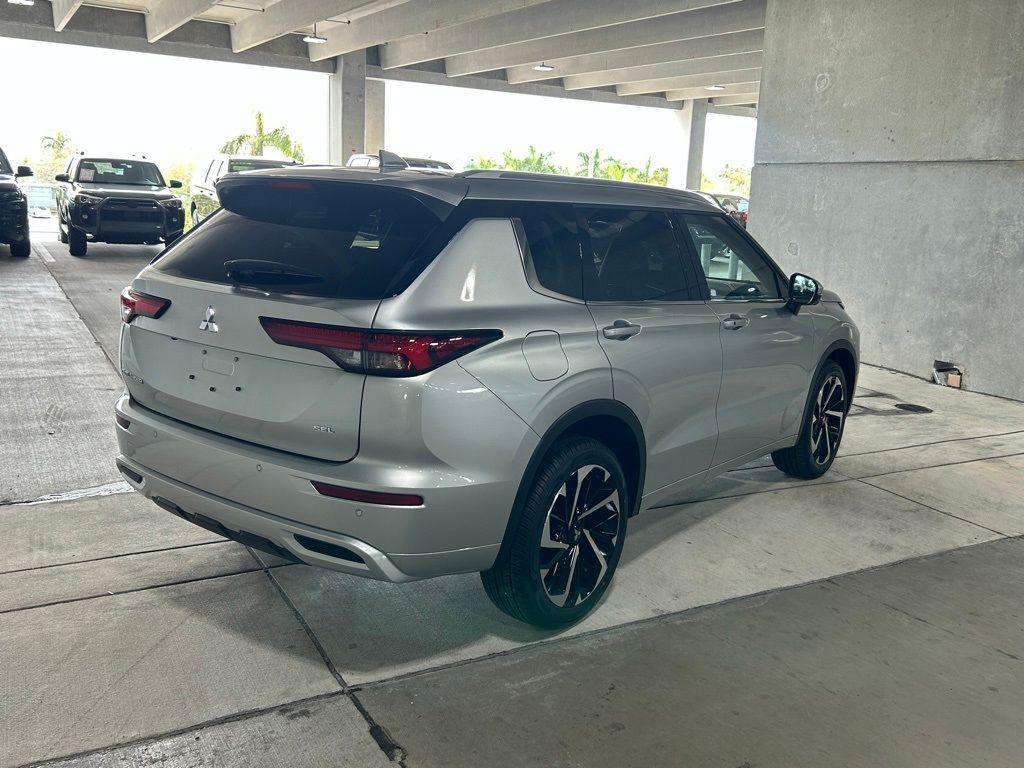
{"x": 869, "y": 618}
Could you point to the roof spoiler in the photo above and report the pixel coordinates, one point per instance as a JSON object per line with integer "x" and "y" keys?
{"x": 389, "y": 161}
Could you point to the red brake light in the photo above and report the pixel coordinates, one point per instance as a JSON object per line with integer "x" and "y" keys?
{"x": 369, "y": 497}
{"x": 134, "y": 304}
{"x": 381, "y": 353}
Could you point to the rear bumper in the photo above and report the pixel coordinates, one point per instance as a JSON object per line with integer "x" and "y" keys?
{"x": 268, "y": 494}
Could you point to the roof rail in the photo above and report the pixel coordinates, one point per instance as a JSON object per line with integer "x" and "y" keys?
{"x": 389, "y": 161}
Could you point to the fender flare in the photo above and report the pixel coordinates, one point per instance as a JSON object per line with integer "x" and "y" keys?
{"x": 576, "y": 414}
{"x": 838, "y": 344}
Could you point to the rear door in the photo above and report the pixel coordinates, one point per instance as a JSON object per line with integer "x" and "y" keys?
{"x": 767, "y": 350}
{"x": 659, "y": 335}
{"x": 320, "y": 256}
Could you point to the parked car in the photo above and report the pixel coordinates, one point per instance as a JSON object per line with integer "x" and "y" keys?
{"x": 204, "y": 183}
{"x": 412, "y": 374}
{"x": 116, "y": 200}
{"x": 735, "y": 205}
{"x": 416, "y": 163}
{"x": 14, "y": 229}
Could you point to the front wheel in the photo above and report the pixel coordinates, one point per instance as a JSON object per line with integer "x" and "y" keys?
{"x": 22, "y": 248}
{"x": 564, "y": 550}
{"x": 77, "y": 242}
{"x": 822, "y": 431}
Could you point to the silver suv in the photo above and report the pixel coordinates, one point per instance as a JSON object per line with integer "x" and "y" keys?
{"x": 407, "y": 374}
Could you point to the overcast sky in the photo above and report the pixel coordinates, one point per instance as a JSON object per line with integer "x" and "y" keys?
{"x": 178, "y": 110}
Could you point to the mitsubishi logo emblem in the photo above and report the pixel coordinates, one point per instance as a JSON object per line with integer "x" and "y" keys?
{"x": 208, "y": 324}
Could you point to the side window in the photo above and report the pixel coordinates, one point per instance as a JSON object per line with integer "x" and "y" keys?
{"x": 734, "y": 270}
{"x": 207, "y": 177}
{"x": 554, "y": 249}
{"x": 634, "y": 256}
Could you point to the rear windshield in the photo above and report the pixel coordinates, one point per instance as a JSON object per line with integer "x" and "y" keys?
{"x": 337, "y": 241}
{"x": 238, "y": 166}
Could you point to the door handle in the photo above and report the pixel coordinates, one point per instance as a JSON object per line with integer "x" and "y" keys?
{"x": 735, "y": 322}
{"x": 621, "y": 330}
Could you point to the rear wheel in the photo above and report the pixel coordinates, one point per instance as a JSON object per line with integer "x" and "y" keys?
{"x": 823, "y": 427}
{"x": 23, "y": 248}
{"x": 77, "y": 242}
{"x": 566, "y": 545}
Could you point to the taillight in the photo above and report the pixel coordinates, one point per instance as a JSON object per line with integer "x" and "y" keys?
{"x": 134, "y": 304}
{"x": 380, "y": 353}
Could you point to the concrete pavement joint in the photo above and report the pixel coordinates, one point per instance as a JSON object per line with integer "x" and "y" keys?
{"x": 394, "y": 751}
{"x": 175, "y": 583}
{"x": 111, "y": 557}
{"x": 933, "y": 509}
{"x": 232, "y": 718}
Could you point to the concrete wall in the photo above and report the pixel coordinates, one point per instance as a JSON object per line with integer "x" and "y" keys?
{"x": 890, "y": 164}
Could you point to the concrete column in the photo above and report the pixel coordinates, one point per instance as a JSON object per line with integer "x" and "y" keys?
{"x": 890, "y": 164}
{"x": 685, "y": 174}
{"x": 346, "y": 114}
{"x": 375, "y": 116}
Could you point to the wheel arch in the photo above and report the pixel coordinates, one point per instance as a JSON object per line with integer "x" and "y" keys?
{"x": 608, "y": 421}
{"x": 843, "y": 353}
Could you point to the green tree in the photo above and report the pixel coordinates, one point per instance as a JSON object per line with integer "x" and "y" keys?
{"x": 58, "y": 145}
{"x": 255, "y": 142}
{"x": 736, "y": 179}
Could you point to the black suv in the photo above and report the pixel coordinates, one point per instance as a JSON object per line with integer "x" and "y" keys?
{"x": 13, "y": 208}
{"x": 116, "y": 200}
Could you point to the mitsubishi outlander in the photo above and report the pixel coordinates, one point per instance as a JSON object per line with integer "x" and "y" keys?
{"x": 402, "y": 374}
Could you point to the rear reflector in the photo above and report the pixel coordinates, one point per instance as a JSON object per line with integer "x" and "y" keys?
{"x": 134, "y": 304}
{"x": 380, "y": 353}
{"x": 369, "y": 497}
{"x": 122, "y": 421}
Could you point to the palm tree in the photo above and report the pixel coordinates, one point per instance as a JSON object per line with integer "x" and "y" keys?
{"x": 256, "y": 141}
{"x": 589, "y": 163}
{"x": 533, "y": 161}
{"x": 59, "y": 145}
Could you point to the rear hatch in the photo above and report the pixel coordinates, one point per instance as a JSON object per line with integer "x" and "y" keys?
{"x": 310, "y": 252}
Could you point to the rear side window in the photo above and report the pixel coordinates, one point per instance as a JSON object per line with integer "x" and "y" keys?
{"x": 634, "y": 256}
{"x": 554, "y": 249}
{"x": 332, "y": 240}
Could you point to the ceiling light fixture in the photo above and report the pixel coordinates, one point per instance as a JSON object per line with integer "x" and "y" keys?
{"x": 714, "y": 87}
{"x": 314, "y": 38}
{"x": 542, "y": 67}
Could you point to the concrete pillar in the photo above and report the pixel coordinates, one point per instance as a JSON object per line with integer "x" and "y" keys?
{"x": 889, "y": 164}
{"x": 346, "y": 115}
{"x": 375, "y": 116}
{"x": 685, "y": 173}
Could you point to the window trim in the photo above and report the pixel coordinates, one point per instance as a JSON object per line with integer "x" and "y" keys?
{"x": 781, "y": 282}
{"x": 583, "y": 235}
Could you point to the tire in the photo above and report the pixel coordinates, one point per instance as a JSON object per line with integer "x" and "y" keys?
{"x": 196, "y": 221}
{"x": 583, "y": 555}
{"x": 22, "y": 249}
{"x": 822, "y": 432}
{"x": 77, "y": 242}
{"x": 171, "y": 238}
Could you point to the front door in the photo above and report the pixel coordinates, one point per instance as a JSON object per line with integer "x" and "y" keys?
{"x": 661, "y": 338}
{"x": 767, "y": 350}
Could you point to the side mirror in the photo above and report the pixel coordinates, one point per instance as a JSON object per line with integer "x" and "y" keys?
{"x": 803, "y": 291}
{"x": 62, "y": 177}
{"x": 23, "y": 170}
{"x": 175, "y": 184}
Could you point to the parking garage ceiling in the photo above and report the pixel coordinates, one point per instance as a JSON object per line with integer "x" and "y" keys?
{"x": 652, "y": 52}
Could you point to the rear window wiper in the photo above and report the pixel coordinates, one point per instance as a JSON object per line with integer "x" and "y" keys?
{"x": 259, "y": 272}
